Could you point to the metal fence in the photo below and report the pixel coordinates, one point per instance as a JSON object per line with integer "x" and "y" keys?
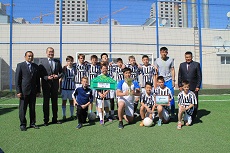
{"x": 133, "y": 26}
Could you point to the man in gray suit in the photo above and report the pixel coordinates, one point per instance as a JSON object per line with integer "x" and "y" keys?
{"x": 51, "y": 72}
{"x": 27, "y": 82}
{"x": 190, "y": 71}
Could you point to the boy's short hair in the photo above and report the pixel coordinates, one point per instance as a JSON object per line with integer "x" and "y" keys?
{"x": 188, "y": 53}
{"x": 148, "y": 83}
{"x": 84, "y": 77}
{"x": 185, "y": 82}
{"x": 119, "y": 60}
{"x": 161, "y": 78}
{"x": 145, "y": 56}
{"x": 104, "y": 64}
{"x": 69, "y": 58}
{"x": 131, "y": 57}
{"x": 94, "y": 57}
{"x": 104, "y": 54}
{"x": 126, "y": 69}
{"x": 81, "y": 55}
{"x": 163, "y": 49}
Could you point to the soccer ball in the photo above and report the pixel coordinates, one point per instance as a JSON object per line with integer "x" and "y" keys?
{"x": 91, "y": 116}
{"x": 147, "y": 121}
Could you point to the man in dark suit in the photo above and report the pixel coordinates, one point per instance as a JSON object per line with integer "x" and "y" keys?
{"x": 27, "y": 82}
{"x": 190, "y": 71}
{"x": 51, "y": 72}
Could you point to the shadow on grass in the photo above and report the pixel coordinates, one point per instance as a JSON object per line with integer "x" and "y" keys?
{"x": 7, "y": 110}
{"x": 201, "y": 113}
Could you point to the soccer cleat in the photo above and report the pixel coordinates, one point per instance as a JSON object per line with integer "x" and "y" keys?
{"x": 101, "y": 122}
{"x": 136, "y": 114}
{"x": 120, "y": 126}
{"x": 159, "y": 123}
{"x": 141, "y": 124}
{"x": 72, "y": 118}
{"x": 179, "y": 125}
{"x": 113, "y": 117}
{"x": 79, "y": 126}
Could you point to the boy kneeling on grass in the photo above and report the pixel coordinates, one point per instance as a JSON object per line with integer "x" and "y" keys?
{"x": 186, "y": 102}
{"x": 84, "y": 99}
{"x": 126, "y": 90}
{"x": 147, "y": 103}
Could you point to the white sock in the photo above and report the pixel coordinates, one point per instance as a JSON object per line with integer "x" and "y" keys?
{"x": 100, "y": 115}
{"x": 71, "y": 110}
{"x": 63, "y": 110}
{"x": 112, "y": 112}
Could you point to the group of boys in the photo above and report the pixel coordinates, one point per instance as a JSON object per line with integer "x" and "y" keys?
{"x": 77, "y": 77}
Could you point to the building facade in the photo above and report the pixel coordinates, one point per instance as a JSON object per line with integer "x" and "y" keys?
{"x": 171, "y": 11}
{"x": 72, "y": 11}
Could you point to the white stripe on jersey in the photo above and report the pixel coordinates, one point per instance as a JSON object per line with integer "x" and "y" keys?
{"x": 93, "y": 71}
{"x": 186, "y": 100}
{"x": 135, "y": 71}
{"x": 163, "y": 92}
{"x": 147, "y": 74}
{"x": 81, "y": 71}
{"x": 119, "y": 73}
{"x": 148, "y": 100}
{"x": 68, "y": 79}
{"x": 103, "y": 91}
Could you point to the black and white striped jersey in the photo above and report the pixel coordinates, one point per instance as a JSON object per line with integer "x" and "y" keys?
{"x": 68, "y": 82}
{"x": 147, "y": 74}
{"x": 93, "y": 71}
{"x": 148, "y": 100}
{"x": 81, "y": 71}
{"x": 135, "y": 71}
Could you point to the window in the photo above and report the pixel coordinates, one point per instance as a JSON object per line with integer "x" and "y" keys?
{"x": 225, "y": 59}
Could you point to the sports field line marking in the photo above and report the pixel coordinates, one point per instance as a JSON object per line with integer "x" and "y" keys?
{"x": 68, "y": 104}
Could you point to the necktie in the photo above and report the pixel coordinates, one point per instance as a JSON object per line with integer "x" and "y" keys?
{"x": 51, "y": 64}
{"x": 29, "y": 66}
{"x": 188, "y": 67}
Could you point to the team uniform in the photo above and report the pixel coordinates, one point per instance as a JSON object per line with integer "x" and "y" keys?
{"x": 148, "y": 100}
{"x": 135, "y": 71}
{"x": 128, "y": 100}
{"x": 164, "y": 92}
{"x": 93, "y": 72}
{"x": 185, "y": 100}
{"x": 81, "y": 71}
{"x": 119, "y": 73}
{"x": 148, "y": 73}
{"x": 68, "y": 86}
{"x": 110, "y": 74}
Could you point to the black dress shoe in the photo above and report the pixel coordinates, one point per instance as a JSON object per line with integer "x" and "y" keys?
{"x": 34, "y": 126}
{"x": 23, "y": 128}
{"x": 56, "y": 122}
{"x": 45, "y": 124}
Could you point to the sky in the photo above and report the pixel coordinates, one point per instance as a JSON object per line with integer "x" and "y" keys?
{"x": 136, "y": 12}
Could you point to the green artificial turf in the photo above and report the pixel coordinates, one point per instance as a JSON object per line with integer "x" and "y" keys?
{"x": 209, "y": 133}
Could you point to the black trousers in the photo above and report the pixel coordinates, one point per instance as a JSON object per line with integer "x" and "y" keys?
{"x": 50, "y": 93}
{"x": 81, "y": 114}
{"x": 26, "y": 100}
{"x": 195, "y": 106}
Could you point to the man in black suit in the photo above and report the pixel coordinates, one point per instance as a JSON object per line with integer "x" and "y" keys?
{"x": 27, "y": 82}
{"x": 190, "y": 71}
{"x": 51, "y": 72}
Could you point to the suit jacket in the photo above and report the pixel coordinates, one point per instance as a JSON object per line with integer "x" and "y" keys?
{"x": 46, "y": 71}
{"x": 194, "y": 75}
{"x": 27, "y": 82}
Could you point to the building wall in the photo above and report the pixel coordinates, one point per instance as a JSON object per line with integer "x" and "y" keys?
{"x": 129, "y": 39}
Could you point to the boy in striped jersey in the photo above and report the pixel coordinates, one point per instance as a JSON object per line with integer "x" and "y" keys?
{"x": 93, "y": 72}
{"x": 68, "y": 86}
{"x": 81, "y": 70}
{"x": 126, "y": 90}
{"x": 186, "y": 102}
{"x": 135, "y": 72}
{"x": 117, "y": 69}
{"x": 163, "y": 110}
{"x": 103, "y": 95}
{"x": 148, "y": 72}
{"x": 147, "y": 103}
{"x": 105, "y": 60}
